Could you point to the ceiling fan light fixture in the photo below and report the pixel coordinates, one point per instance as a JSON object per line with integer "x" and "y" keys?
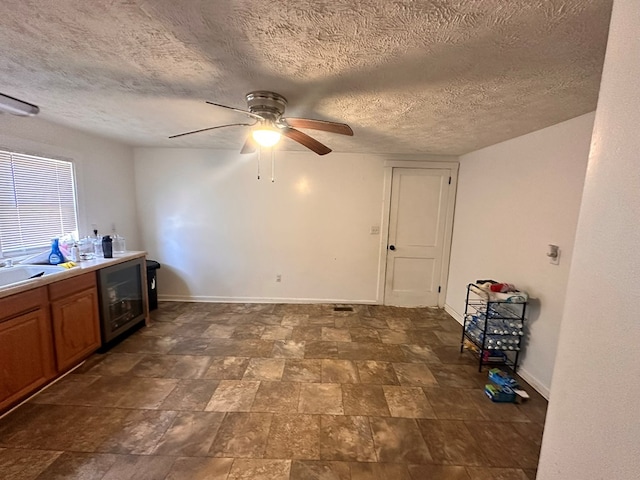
{"x": 266, "y": 137}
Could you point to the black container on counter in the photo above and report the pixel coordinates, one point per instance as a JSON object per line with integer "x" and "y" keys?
{"x": 107, "y": 246}
{"x": 152, "y": 283}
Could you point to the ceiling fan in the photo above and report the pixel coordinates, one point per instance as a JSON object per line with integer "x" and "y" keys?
{"x": 267, "y": 110}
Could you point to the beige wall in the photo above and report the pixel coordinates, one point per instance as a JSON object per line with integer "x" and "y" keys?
{"x": 515, "y": 198}
{"x": 222, "y": 234}
{"x": 593, "y": 426}
{"x": 104, "y": 171}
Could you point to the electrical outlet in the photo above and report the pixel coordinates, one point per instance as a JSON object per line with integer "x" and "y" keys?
{"x": 278, "y": 278}
{"x": 375, "y": 230}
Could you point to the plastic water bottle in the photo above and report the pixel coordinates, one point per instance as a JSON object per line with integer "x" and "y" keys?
{"x": 75, "y": 253}
{"x": 97, "y": 244}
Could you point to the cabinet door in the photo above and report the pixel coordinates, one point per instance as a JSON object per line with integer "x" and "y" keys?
{"x": 26, "y": 355}
{"x": 76, "y": 330}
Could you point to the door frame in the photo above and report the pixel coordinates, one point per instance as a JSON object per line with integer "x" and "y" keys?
{"x": 389, "y": 166}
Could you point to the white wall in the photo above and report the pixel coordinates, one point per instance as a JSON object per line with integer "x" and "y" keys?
{"x": 104, "y": 171}
{"x": 515, "y": 198}
{"x": 593, "y": 426}
{"x": 221, "y": 234}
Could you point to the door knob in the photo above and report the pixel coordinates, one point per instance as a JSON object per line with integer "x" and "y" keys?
{"x": 392, "y": 247}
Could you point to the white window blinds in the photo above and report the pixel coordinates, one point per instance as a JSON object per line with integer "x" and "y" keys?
{"x": 37, "y": 201}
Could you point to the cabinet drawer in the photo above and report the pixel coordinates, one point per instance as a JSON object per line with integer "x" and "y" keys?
{"x": 64, "y": 288}
{"x": 22, "y": 302}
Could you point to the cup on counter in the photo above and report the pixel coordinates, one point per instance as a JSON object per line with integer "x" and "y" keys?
{"x": 97, "y": 247}
{"x": 118, "y": 244}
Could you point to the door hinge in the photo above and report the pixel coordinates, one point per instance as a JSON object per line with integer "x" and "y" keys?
{"x": 439, "y": 289}
{"x": 449, "y": 180}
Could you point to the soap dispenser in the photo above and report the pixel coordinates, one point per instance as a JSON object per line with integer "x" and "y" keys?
{"x": 55, "y": 257}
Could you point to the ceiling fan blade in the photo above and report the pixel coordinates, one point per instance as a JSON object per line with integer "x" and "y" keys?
{"x": 245, "y": 112}
{"x": 213, "y": 128}
{"x": 249, "y": 145}
{"x": 305, "y": 140}
{"x": 333, "y": 127}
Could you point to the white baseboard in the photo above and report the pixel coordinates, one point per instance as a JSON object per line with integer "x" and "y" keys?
{"x": 534, "y": 382}
{"x": 213, "y": 299}
{"x": 458, "y": 317}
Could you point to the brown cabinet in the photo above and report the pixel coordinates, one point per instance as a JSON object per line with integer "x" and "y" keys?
{"x": 74, "y": 315}
{"x": 45, "y": 332}
{"x": 26, "y": 347}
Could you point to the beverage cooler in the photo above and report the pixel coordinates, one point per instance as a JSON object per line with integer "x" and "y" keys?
{"x": 122, "y": 298}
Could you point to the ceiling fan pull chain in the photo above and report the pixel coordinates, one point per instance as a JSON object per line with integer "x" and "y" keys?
{"x": 273, "y": 166}
{"x": 259, "y": 155}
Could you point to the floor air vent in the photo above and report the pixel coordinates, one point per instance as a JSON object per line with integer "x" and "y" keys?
{"x": 343, "y": 309}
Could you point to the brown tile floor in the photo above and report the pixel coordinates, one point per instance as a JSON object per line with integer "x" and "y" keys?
{"x": 226, "y": 391}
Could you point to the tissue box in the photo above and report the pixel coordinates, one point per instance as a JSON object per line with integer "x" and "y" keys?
{"x": 500, "y": 394}
{"x": 502, "y": 379}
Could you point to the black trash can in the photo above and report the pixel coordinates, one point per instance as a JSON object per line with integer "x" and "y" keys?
{"x": 152, "y": 283}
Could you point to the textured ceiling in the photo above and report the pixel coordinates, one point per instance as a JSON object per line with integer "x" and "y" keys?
{"x": 409, "y": 76}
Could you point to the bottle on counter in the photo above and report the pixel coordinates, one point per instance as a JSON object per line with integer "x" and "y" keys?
{"x": 55, "y": 257}
{"x": 97, "y": 244}
{"x": 107, "y": 246}
{"x": 75, "y": 252}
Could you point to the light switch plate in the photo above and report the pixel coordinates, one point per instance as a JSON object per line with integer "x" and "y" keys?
{"x": 554, "y": 254}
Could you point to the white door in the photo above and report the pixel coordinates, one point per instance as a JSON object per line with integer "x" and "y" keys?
{"x": 417, "y": 220}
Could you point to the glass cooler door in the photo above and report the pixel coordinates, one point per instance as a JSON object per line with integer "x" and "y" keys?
{"x": 121, "y": 298}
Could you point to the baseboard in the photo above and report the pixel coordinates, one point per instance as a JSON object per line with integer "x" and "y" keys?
{"x": 534, "y": 382}
{"x": 457, "y": 317}
{"x": 213, "y": 299}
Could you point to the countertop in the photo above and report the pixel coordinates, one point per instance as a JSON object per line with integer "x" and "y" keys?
{"x": 82, "y": 267}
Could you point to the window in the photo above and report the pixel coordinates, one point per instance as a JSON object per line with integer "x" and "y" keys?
{"x": 37, "y": 201}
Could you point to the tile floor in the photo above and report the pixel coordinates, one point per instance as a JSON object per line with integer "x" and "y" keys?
{"x": 275, "y": 392}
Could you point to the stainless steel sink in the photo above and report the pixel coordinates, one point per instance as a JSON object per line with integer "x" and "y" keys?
{"x": 21, "y": 273}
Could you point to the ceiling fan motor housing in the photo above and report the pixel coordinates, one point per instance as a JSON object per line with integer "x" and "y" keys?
{"x": 268, "y": 105}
